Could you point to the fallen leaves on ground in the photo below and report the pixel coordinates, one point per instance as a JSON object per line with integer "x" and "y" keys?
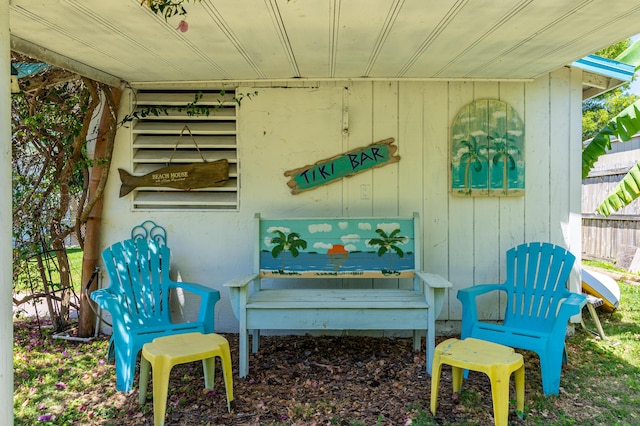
{"x": 313, "y": 380}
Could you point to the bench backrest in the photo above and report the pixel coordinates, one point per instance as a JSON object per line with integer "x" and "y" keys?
{"x": 349, "y": 247}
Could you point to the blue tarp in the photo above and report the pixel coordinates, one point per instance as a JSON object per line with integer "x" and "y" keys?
{"x": 28, "y": 68}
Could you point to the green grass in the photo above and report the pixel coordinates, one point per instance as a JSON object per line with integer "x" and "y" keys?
{"x": 57, "y": 381}
{"x": 29, "y": 276}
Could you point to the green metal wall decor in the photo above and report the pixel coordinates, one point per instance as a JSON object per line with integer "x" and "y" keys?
{"x": 487, "y": 150}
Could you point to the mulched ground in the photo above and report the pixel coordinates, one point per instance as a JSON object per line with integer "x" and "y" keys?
{"x": 304, "y": 380}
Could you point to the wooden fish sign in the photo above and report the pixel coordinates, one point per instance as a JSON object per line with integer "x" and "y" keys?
{"x": 343, "y": 165}
{"x": 183, "y": 176}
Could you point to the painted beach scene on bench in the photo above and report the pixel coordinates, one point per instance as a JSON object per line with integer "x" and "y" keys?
{"x": 369, "y": 247}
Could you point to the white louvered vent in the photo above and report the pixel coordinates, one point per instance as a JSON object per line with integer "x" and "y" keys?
{"x": 157, "y": 140}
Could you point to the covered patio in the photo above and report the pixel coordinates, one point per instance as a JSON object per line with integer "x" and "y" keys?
{"x": 411, "y": 62}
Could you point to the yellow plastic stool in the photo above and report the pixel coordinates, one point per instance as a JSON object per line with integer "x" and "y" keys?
{"x": 165, "y": 352}
{"x": 496, "y": 361}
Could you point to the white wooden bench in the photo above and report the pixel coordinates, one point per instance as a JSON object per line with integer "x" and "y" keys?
{"x": 337, "y": 274}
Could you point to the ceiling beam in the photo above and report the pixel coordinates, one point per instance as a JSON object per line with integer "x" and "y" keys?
{"x": 45, "y": 55}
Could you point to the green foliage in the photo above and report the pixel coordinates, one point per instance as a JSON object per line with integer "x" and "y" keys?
{"x": 631, "y": 55}
{"x": 43, "y": 131}
{"x": 50, "y": 181}
{"x": 627, "y": 190}
{"x": 598, "y": 112}
{"x": 623, "y": 126}
{"x": 29, "y": 273}
{"x": 192, "y": 109}
{"x": 167, "y": 8}
{"x": 614, "y": 51}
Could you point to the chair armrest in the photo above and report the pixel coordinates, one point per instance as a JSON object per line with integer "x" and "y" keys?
{"x": 199, "y": 289}
{"x": 208, "y": 299}
{"x": 467, "y": 296}
{"x": 576, "y": 299}
{"x": 101, "y": 296}
{"x": 106, "y": 299}
{"x": 572, "y": 305}
{"x": 472, "y": 292}
{"x": 109, "y": 301}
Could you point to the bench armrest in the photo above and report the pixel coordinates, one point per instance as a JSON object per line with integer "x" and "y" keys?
{"x": 433, "y": 280}
{"x": 434, "y": 289}
{"x": 241, "y": 281}
{"x": 239, "y": 291}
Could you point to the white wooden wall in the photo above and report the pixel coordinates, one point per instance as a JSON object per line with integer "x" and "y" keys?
{"x": 464, "y": 239}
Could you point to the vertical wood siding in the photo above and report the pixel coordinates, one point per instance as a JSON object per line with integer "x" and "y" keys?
{"x": 465, "y": 239}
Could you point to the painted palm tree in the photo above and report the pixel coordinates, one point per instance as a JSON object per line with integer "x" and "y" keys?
{"x": 388, "y": 243}
{"x": 504, "y": 147}
{"x": 474, "y": 154}
{"x": 287, "y": 243}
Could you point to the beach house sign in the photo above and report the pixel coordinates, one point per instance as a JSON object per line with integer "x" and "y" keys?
{"x": 343, "y": 165}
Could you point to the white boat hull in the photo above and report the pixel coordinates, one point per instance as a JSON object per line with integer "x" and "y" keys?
{"x": 603, "y": 287}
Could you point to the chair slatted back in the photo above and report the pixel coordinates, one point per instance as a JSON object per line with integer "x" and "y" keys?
{"x": 537, "y": 276}
{"x": 137, "y": 276}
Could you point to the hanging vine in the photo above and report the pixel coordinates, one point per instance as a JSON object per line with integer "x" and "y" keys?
{"x": 169, "y": 8}
{"x": 191, "y": 109}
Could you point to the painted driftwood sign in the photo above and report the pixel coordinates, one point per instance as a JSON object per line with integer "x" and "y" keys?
{"x": 179, "y": 176}
{"x": 342, "y": 165}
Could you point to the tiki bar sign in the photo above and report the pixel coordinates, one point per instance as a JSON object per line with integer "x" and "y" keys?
{"x": 343, "y": 165}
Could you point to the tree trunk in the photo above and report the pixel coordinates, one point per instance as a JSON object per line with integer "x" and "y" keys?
{"x": 62, "y": 321}
{"x": 86, "y": 316}
{"x": 53, "y": 313}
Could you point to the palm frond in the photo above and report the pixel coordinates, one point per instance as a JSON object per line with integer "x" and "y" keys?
{"x": 631, "y": 55}
{"x": 627, "y": 190}
{"x": 623, "y": 126}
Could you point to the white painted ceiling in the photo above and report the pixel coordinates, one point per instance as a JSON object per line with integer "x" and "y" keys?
{"x": 319, "y": 39}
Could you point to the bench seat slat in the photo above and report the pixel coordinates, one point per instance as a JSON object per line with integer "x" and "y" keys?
{"x": 342, "y": 298}
{"x": 337, "y": 319}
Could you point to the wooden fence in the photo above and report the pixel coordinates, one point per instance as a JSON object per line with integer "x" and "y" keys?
{"x": 602, "y": 237}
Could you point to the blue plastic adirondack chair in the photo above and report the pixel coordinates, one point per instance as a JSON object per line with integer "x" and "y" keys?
{"x": 138, "y": 298}
{"x": 538, "y": 307}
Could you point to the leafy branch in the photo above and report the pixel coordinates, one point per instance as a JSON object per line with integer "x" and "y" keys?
{"x": 192, "y": 109}
{"x": 167, "y": 8}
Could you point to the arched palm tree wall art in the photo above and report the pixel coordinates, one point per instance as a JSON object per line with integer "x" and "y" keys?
{"x": 487, "y": 150}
